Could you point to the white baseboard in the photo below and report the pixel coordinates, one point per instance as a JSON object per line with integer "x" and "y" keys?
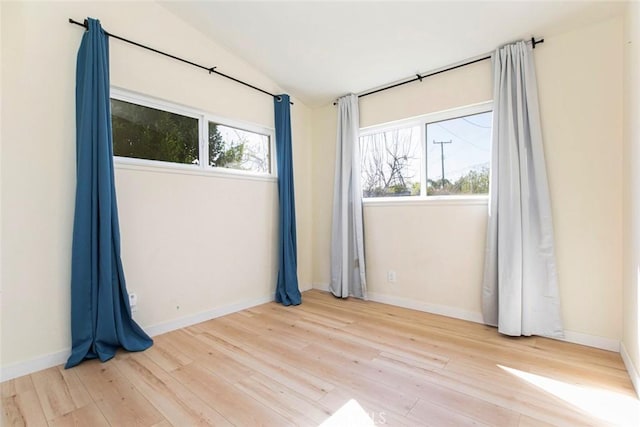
{"x": 305, "y": 286}
{"x": 43, "y": 362}
{"x": 53, "y": 359}
{"x": 183, "y": 322}
{"x": 631, "y": 368}
{"x": 321, "y": 287}
{"x": 33, "y": 365}
{"x": 443, "y": 310}
{"x": 472, "y": 316}
{"x": 602, "y": 343}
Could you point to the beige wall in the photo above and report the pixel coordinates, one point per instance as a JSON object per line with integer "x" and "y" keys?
{"x": 190, "y": 243}
{"x": 1, "y": 244}
{"x": 411, "y": 239}
{"x": 324, "y": 156}
{"x": 631, "y": 295}
{"x": 580, "y": 81}
{"x": 437, "y": 249}
{"x": 187, "y": 239}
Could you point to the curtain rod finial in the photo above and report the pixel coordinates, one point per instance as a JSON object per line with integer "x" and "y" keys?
{"x": 85, "y": 24}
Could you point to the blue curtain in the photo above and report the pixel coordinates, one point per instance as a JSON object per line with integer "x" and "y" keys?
{"x": 100, "y": 314}
{"x": 287, "y": 291}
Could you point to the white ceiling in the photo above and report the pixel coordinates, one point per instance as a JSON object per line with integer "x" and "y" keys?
{"x": 317, "y": 51}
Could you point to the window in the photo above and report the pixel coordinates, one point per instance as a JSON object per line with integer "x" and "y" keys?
{"x": 391, "y": 163}
{"x": 437, "y": 155}
{"x": 151, "y": 130}
{"x": 238, "y": 149}
{"x": 458, "y": 155}
{"x": 148, "y": 133}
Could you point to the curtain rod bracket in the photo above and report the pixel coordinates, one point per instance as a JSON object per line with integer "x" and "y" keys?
{"x": 419, "y": 77}
{"x": 534, "y": 42}
{"x": 212, "y": 70}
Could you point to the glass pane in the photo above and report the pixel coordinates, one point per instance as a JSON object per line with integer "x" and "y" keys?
{"x": 458, "y": 155}
{"x": 238, "y": 149}
{"x": 148, "y": 133}
{"x": 391, "y": 163}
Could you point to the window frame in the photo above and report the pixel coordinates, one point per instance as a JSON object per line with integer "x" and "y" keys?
{"x": 421, "y": 122}
{"x": 203, "y": 131}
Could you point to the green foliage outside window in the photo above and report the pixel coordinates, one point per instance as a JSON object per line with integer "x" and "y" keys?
{"x": 473, "y": 182}
{"x": 147, "y": 133}
{"x": 235, "y": 148}
{"x": 224, "y": 154}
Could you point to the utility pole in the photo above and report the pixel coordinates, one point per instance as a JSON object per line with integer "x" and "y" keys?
{"x": 442, "y": 157}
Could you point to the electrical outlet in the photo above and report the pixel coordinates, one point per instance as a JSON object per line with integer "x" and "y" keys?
{"x": 133, "y": 301}
{"x": 391, "y": 276}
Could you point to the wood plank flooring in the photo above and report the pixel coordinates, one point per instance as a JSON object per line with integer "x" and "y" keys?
{"x": 338, "y": 362}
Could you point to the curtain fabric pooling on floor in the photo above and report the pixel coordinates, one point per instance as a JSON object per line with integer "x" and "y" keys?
{"x": 101, "y": 319}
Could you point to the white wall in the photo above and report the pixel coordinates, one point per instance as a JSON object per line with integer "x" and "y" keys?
{"x": 191, "y": 244}
{"x": 437, "y": 249}
{"x": 630, "y": 347}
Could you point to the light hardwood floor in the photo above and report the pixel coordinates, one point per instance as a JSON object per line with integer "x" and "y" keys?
{"x": 274, "y": 365}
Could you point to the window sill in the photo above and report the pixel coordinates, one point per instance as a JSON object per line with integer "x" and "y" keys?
{"x": 174, "y": 168}
{"x": 426, "y": 201}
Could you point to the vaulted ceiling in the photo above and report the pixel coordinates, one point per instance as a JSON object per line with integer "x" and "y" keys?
{"x": 318, "y": 51}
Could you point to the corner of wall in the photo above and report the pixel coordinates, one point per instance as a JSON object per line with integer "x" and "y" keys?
{"x": 631, "y": 368}
{"x": 323, "y": 134}
{"x": 630, "y": 346}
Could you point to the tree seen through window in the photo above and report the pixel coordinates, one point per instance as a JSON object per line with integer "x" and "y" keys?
{"x": 451, "y": 157}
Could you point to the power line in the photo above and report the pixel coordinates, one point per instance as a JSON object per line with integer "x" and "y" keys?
{"x": 442, "y": 156}
{"x": 461, "y": 138}
{"x": 475, "y": 124}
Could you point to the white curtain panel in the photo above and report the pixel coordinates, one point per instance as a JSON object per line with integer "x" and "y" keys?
{"x": 520, "y": 287}
{"x": 347, "y": 233}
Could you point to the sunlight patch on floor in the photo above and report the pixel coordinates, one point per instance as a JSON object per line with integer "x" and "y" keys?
{"x": 601, "y": 404}
{"x": 350, "y": 414}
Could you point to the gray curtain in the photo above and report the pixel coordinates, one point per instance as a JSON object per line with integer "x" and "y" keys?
{"x": 347, "y": 233}
{"x": 520, "y": 287}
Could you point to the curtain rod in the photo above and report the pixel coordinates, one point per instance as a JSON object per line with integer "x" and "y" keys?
{"x": 419, "y": 77}
{"x": 211, "y": 70}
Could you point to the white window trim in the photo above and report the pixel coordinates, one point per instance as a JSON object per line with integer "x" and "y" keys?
{"x": 155, "y": 166}
{"x": 482, "y": 199}
{"x": 271, "y": 133}
{"x": 422, "y": 122}
{"x": 203, "y": 118}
